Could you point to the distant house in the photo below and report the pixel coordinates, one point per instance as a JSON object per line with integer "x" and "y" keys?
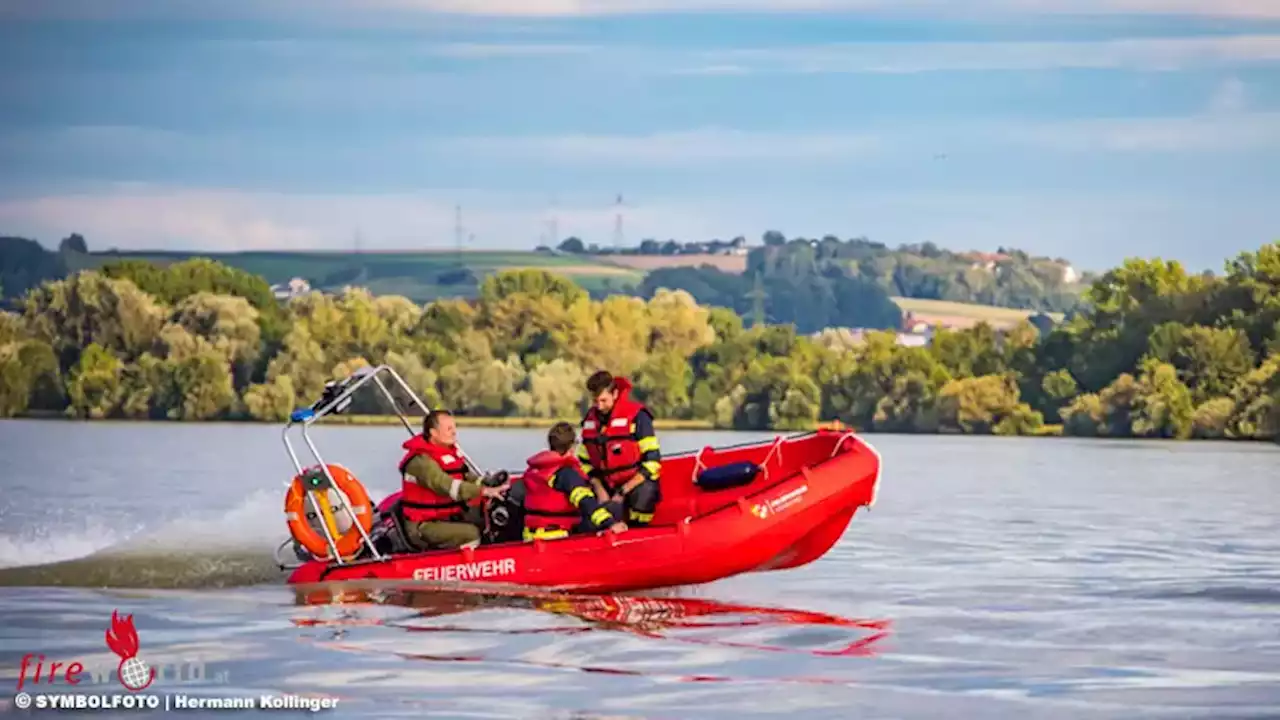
{"x": 1069, "y": 274}
{"x": 858, "y": 336}
{"x": 984, "y": 261}
{"x": 295, "y": 287}
{"x": 914, "y": 339}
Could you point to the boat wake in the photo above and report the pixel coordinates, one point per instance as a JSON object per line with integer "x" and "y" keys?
{"x": 230, "y": 549}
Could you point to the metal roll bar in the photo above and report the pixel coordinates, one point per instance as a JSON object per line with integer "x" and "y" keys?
{"x": 336, "y": 399}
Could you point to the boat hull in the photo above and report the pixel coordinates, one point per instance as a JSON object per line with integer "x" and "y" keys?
{"x": 784, "y": 519}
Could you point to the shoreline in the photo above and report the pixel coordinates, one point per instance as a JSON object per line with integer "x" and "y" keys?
{"x": 532, "y": 423}
{"x": 477, "y": 421}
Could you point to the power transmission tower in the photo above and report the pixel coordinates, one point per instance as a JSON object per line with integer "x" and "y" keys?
{"x": 457, "y": 231}
{"x": 617, "y": 224}
{"x": 554, "y": 224}
{"x": 757, "y": 296}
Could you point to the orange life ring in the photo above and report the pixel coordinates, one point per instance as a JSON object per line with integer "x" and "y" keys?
{"x": 296, "y": 510}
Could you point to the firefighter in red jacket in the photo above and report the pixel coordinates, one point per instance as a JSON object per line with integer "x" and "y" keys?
{"x": 557, "y": 499}
{"x": 619, "y": 450}
{"x": 440, "y": 495}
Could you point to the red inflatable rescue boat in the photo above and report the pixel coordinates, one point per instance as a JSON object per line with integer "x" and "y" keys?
{"x": 767, "y": 505}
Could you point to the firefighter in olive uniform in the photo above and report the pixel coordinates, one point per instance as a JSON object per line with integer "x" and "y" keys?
{"x": 440, "y": 495}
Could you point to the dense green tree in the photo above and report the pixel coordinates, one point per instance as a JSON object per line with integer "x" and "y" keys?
{"x": 95, "y": 387}
{"x": 1156, "y": 353}
{"x": 92, "y": 309}
{"x": 980, "y": 405}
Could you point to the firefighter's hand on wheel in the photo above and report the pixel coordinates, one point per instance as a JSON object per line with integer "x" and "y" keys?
{"x": 494, "y": 493}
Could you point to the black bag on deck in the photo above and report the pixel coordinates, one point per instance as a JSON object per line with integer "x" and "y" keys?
{"x": 728, "y": 476}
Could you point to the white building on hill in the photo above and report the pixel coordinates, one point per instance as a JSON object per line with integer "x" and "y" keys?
{"x": 295, "y": 287}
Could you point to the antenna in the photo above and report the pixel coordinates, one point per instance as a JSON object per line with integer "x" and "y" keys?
{"x": 617, "y": 224}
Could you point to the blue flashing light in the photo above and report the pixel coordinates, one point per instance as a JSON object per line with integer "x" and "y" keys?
{"x": 302, "y": 415}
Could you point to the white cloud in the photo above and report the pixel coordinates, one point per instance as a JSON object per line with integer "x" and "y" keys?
{"x": 363, "y": 11}
{"x": 139, "y": 216}
{"x": 1229, "y": 98}
{"x": 1129, "y": 53}
{"x": 559, "y": 8}
{"x": 710, "y": 148}
{"x": 674, "y": 149}
{"x": 1195, "y": 134}
{"x": 491, "y": 50}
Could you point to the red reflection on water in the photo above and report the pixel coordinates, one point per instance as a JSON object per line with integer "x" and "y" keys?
{"x": 645, "y": 616}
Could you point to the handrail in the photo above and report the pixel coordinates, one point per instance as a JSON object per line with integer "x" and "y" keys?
{"x": 306, "y": 417}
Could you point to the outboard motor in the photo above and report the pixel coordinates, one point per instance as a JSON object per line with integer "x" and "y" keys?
{"x": 387, "y": 532}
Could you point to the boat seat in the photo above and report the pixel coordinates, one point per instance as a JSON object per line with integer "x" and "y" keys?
{"x": 399, "y": 537}
{"x": 723, "y": 477}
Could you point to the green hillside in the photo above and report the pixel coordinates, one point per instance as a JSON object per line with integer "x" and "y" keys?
{"x": 813, "y": 284}
{"x": 419, "y": 276}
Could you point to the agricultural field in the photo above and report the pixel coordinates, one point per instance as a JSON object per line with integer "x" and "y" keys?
{"x": 960, "y": 315}
{"x": 420, "y": 276}
{"x": 725, "y": 263}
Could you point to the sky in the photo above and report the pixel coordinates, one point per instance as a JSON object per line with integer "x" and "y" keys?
{"x": 1092, "y": 130}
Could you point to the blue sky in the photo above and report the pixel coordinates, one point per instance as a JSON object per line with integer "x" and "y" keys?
{"x": 1087, "y": 129}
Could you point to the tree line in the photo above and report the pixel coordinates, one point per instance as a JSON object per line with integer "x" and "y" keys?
{"x": 1155, "y": 352}
{"x": 811, "y": 283}
{"x": 833, "y": 282}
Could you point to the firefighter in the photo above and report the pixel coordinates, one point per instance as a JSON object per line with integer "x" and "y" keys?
{"x": 619, "y": 450}
{"x": 558, "y": 499}
{"x": 439, "y": 493}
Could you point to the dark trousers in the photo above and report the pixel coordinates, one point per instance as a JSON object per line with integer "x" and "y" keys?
{"x": 638, "y": 506}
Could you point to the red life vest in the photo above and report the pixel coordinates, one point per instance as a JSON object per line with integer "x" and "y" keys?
{"x": 419, "y": 504}
{"x": 544, "y": 506}
{"x": 611, "y": 444}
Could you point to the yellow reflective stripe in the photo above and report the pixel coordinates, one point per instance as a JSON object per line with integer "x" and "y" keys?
{"x": 641, "y": 517}
{"x": 584, "y": 459}
{"x": 544, "y": 534}
{"x": 600, "y": 516}
{"x": 579, "y": 494}
{"x": 653, "y": 466}
{"x": 648, "y": 444}
{"x": 633, "y": 428}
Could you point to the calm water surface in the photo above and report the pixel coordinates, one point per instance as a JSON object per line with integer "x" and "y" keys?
{"x": 996, "y": 577}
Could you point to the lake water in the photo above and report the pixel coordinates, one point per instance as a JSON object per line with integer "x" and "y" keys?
{"x": 996, "y": 577}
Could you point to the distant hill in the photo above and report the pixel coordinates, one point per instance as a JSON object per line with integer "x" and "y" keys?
{"x": 813, "y": 283}
{"x": 419, "y": 276}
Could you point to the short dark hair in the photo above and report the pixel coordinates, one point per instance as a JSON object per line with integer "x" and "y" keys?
{"x": 561, "y": 437}
{"x": 432, "y": 420}
{"x": 600, "y": 381}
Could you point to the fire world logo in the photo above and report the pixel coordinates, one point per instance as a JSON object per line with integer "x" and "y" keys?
{"x": 123, "y": 640}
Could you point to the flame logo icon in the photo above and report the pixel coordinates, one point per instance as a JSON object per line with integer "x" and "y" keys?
{"x": 122, "y": 638}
